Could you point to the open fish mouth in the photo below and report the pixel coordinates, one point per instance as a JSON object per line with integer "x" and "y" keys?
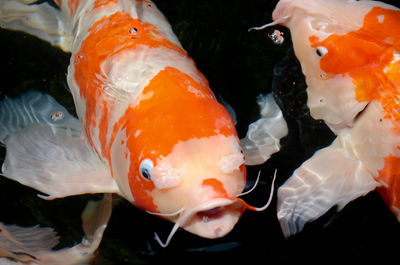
{"x": 211, "y": 214}
{"x": 212, "y": 219}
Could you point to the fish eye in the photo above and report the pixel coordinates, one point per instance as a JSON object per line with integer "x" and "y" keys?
{"x": 145, "y": 168}
{"x": 57, "y": 116}
{"x": 321, "y": 51}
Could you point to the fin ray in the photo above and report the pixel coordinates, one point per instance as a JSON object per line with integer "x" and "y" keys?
{"x": 35, "y": 107}
{"x": 331, "y": 177}
{"x": 40, "y": 20}
{"x": 56, "y": 164}
{"x": 22, "y": 243}
{"x": 49, "y": 153}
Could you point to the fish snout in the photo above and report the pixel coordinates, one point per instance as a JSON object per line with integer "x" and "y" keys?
{"x": 212, "y": 219}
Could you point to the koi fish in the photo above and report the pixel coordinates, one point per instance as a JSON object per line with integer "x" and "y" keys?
{"x": 349, "y": 53}
{"x": 150, "y": 129}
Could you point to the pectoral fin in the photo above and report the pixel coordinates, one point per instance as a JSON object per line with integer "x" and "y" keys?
{"x": 35, "y": 107}
{"x": 51, "y": 155}
{"x": 56, "y": 164}
{"x": 41, "y": 20}
{"x": 331, "y": 177}
{"x": 263, "y": 136}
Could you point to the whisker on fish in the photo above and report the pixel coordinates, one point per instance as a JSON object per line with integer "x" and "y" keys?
{"x": 167, "y": 214}
{"x": 252, "y": 188}
{"x": 171, "y": 234}
{"x": 259, "y": 209}
{"x": 263, "y": 26}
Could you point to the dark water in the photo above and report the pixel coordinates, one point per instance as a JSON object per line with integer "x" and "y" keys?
{"x": 239, "y": 66}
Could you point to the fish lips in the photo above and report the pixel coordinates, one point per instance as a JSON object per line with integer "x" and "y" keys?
{"x": 212, "y": 219}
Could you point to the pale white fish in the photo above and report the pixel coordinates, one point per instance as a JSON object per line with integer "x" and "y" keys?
{"x": 348, "y": 51}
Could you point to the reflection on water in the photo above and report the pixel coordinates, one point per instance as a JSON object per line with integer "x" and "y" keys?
{"x": 239, "y": 65}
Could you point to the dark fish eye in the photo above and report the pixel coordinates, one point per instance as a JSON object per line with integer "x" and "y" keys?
{"x": 321, "y": 51}
{"x": 133, "y": 30}
{"x": 145, "y": 168}
{"x": 57, "y": 116}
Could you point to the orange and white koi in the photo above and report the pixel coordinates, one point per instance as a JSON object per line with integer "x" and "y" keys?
{"x": 349, "y": 53}
{"x": 153, "y": 131}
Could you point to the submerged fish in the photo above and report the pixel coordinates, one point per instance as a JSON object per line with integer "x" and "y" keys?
{"x": 349, "y": 52}
{"x": 151, "y": 129}
{"x": 32, "y": 245}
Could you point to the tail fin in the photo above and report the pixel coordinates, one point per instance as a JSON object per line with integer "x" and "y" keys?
{"x": 33, "y": 245}
{"x": 41, "y": 20}
{"x": 23, "y": 243}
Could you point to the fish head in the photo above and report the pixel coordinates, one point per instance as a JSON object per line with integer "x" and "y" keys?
{"x": 333, "y": 39}
{"x": 201, "y": 179}
{"x": 178, "y": 156}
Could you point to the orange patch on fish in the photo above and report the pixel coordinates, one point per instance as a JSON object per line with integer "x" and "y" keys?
{"x": 368, "y": 58}
{"x": 141, "y": 189}
{"x": 101, "y": 3}
{"x": 165, "y": 118}
{"x": 109, "y": 36}
{"x": 217, "y": 186}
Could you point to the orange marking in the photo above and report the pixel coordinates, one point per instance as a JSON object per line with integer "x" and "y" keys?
{"x": 217, "y": 186}
{"x": 102, "y": 3}
{"x": 174, "y": 114}
{"x": 367, "y": 55}
{"x": 107, "y": 37}
{"x": 390, "y": 175}
{"x": 141, "y": 190}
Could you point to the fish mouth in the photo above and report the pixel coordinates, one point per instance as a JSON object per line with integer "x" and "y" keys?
{"x": 212, "y": 219}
